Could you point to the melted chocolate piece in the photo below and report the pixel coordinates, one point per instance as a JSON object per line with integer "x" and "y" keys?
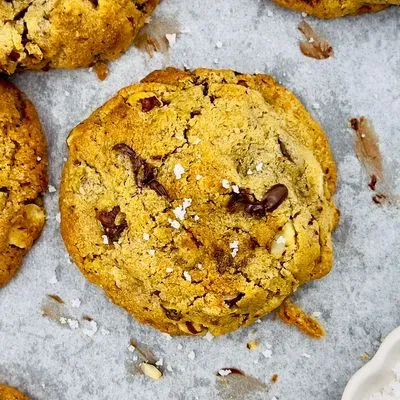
{"x": 172, "y": 314}
{"x": 143, "y": 171}
{"x": 274, "y": 197}
{"x": 231, "y": 303}
{"x": 149, "y": 103}
{"x": 107, "y": 220}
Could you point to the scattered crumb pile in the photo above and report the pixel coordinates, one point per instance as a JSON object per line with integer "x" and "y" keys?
{"x": 392, "y": 390}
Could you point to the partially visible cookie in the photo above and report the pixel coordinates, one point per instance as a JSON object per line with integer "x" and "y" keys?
{"x": 199, "y": 200}
{"x": 43, "y": 34}
{"x": 336, "y": 8}
{"x": 23, "y": 178}
{"x": 10, "y": 393}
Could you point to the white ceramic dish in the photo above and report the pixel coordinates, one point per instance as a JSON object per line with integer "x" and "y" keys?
{"x": 376, "y": 374}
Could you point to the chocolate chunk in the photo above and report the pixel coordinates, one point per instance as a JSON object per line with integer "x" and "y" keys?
{"x": 194, "y": 113}
{"x": 237, "y": 200}
{"x": 107, "y": 220}
{"x": 242, "y": 82}
{"x": 149, "y": 103}
{"x": 143, "y": 171}
{"x": 191, "y": 328}
{"x": 257, "y": 209}
{"x": 232, "y": 302}
{"x": 14, "y": 56}
{"x": 274, "y": 197}
{"x": 172, "y": 314}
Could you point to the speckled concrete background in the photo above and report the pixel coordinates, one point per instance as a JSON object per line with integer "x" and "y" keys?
{"x": 359, "y": 301}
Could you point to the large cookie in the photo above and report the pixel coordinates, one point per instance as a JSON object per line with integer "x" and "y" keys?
{"x": 9, "y": 393}
{"x": 336, "y": 8}
{"x": 23, "y": 177}
{"x": 199, "y": 200}
{"x": 43, "y": 34}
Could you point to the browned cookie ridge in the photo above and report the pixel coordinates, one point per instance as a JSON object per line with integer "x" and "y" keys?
{"x": 23, "y": 178}
{"x": 10, "y": 393}
{"x": 43, "y": 34}
{"x": 199, "y": 200}
{"x": 336, "y": 8}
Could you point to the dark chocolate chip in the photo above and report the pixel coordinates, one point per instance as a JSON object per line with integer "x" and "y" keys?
{"x": 242, "y": 82}
{"x": 172, "y": 314}
{"x": 231, "y": 303}
{"x": 107, "y": 220}
{"x": 194, "y": 113}
{"x": 256, "y": 209}
{"x": 191, "y": 328}
{"x": 355, "y": 124}
{"x": 274, "y": 197}
{"x": 14, "y": 56}
{"x": 149, "y": 103}
{"x": 143, "y": 171}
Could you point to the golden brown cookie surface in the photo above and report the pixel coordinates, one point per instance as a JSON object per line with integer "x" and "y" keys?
{"x": 10, "y": 393}
{"x": 23, "y": 164}
{"x": 199, "y": 200}
{"x": 336, "y": 8}
{"x": 43, "y": 34}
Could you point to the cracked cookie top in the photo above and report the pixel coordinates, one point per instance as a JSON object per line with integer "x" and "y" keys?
{"x": 43, "y": 34}
{"x": 199, "y": 200}
{"x": 336, "y": 8}
{"x": 23, "y": 178}
{"x": 9, "y": 393}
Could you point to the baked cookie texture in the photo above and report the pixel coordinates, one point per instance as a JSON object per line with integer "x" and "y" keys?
{"x": 43, "y": 34}
{"x": 23, "y": 178}
{"x": 336, "y": 8}
{"x": 9, "y": 393}
{"x": 199, "y": 200}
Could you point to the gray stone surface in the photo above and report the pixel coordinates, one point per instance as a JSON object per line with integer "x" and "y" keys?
{"x": 359, "y": 300}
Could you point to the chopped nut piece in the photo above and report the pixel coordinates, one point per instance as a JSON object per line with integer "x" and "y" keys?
{"x": 151, "y": 371}
{"x": 252, "y": 345}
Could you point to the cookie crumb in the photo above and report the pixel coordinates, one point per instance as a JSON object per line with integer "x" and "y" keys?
{"x": 274, "y": 378}
{"x": 179, "y": 171}
{"x": 252, "y": 345}
{"x": 304, "y": 14}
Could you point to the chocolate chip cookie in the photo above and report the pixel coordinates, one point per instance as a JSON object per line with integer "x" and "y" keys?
{"x": 23, "y": 177}
{"x": 43, "y": 34}
{"x": 337, "y": 8}
{"x": 9, "y": 393}
{"x": 199, "y": 200}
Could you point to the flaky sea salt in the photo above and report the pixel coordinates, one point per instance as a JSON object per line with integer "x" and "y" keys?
{"x": 259, "y": 167}
{"x": 235, "y": 248}
{"x": 224, "y": 372}
{"x": 235, "y": 189}
{"x": 180, "y": 211}
{"x": 208, "y": 336}
{"x": 391, "y": 391}
{"x": 171, "y": 37}
{"x": 52, "y": 189}
{"x": 198, "y": 177}
{"x": 174, "y": 223}
{"x": 152, "y": 252}
{"x": 225, "y": 184}
{"x": 187, "y": 276}
{"x": 179, "y": 171}
{"x": 169, "y": 270}
{"x": 91, "y": 329}
{"x": 146, "y": 236}
{"x": 75, "y": 303}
